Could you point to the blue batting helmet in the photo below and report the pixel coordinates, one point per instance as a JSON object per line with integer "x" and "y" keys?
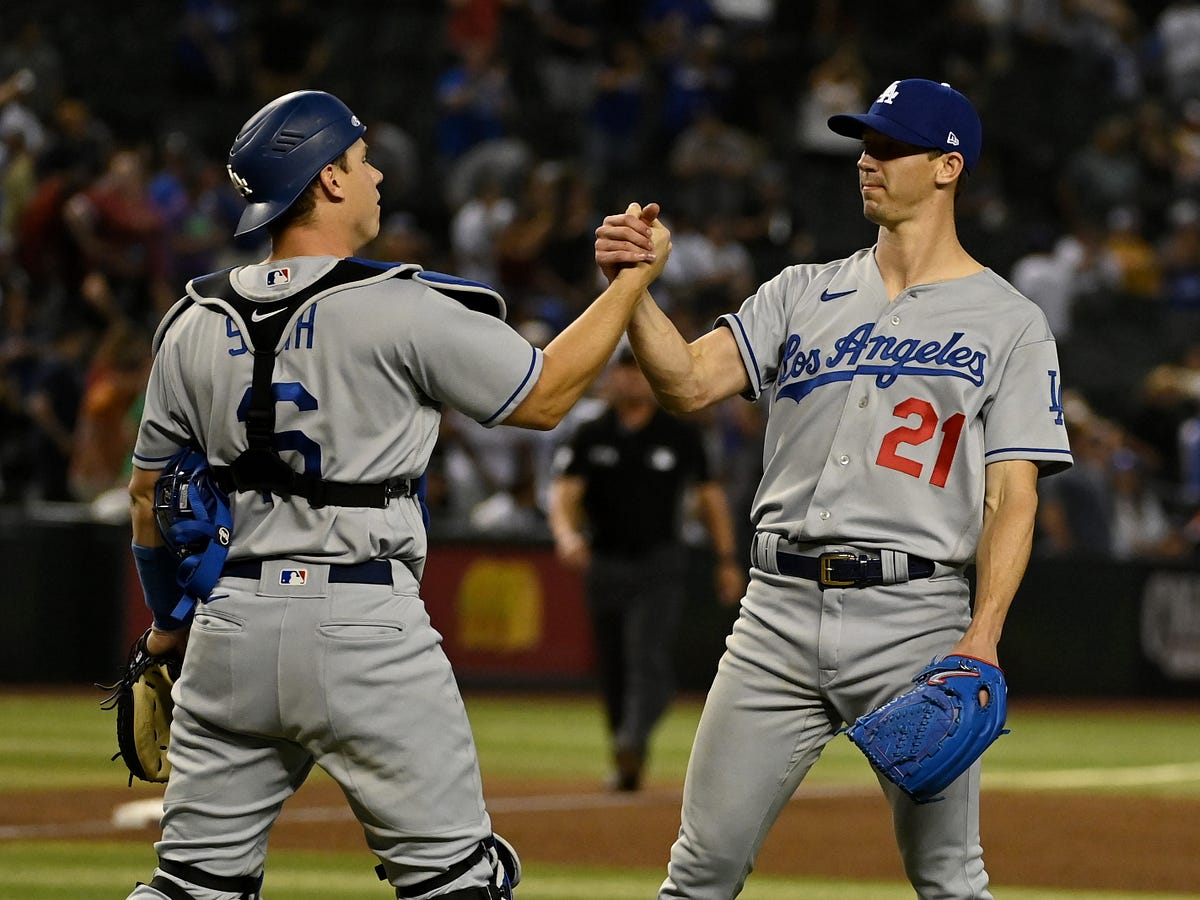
{"x": 283, "y": 147}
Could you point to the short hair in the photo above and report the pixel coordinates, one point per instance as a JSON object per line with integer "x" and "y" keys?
{"x": 934, "y": 153}
{"x": 302, "y": 209}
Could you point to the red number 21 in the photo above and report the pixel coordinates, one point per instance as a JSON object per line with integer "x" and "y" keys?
{"x": 919, "y": 434}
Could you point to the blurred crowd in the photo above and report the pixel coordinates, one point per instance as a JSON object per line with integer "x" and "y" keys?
{"x": 507, "y": 129}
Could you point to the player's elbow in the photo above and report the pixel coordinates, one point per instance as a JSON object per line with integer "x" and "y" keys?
{"x": 680, "y": 406}
{"x": 141, "y": 498}
{"x": 684, "y": 399}
{"x": 545, "y": 423}
{"x": 697, "y": 386}
{"x": 537, "y": 414}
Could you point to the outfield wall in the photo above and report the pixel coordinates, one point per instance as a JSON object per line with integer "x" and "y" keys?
{"x": 512, "y": 616}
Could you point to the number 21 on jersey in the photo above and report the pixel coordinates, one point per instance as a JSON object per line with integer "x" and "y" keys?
{"x": 928, "y": 426}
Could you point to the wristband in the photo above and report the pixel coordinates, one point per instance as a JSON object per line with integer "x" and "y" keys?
{"x": 157, "y": 568}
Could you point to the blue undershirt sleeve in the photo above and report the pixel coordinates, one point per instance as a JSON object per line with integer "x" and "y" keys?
{"x": 157, "y": 568}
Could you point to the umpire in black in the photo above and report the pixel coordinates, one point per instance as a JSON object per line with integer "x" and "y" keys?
{"x": 616, "y": 510}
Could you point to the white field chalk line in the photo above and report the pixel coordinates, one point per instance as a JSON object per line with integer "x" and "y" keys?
{"x": 141, "y": 813}
{"x": 53, "y": 830}
{"x": 1067, "y": 779}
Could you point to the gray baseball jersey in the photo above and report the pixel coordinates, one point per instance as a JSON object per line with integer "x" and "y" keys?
{"x": 298, "y": 658}
{"x": 361, "y": 377}
{"x": 882, "y": 418}
{"x": 884, "y": 414}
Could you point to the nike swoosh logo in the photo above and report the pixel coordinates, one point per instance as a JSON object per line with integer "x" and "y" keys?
{"x": 826, "y": 295}
{"x": 257, "y": 316}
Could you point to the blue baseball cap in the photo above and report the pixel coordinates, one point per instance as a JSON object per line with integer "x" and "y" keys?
{"x": 922, "y": 113}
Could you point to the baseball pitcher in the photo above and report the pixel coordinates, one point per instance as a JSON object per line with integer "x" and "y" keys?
{"x": 914, "y": 399}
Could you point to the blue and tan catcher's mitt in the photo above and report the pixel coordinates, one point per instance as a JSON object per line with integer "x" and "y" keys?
{"x": 927, "y": 737}
{"x": 142, "y": 699}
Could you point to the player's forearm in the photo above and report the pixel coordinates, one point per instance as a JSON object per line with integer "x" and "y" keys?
{"x": 667, "y": 359}
{"x": 577, "y": 356}
{"x": 1001, "y": 559}
{"x": 141, "y": 508}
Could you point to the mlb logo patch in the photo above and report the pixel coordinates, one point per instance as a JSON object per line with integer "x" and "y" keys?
{"x": 277, "y": 277}
{"x": 292, "y": 577}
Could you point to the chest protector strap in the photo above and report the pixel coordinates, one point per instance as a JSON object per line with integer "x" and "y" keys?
{"x": 260, "y": 468}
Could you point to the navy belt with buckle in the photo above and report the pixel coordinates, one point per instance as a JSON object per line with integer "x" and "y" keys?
{"x": 373, "y": 571}
{"x": 845, "y": 569}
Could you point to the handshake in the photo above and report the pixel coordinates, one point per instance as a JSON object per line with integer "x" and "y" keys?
{"x": 634, "y": 239}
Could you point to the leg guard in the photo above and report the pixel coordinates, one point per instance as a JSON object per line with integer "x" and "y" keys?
{"x": 506, "y": 868}
{"x": 246, "y": 887}
{"x": 165, "y": 887}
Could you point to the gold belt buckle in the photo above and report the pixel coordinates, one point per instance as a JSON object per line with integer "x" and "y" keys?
{"x": 826, "y": 561}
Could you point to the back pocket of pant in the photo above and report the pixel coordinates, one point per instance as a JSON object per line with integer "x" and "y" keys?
{"x": 361, "y": 630}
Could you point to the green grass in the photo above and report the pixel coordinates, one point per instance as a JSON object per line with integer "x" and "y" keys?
{"x": 103, "y": 871}
{"x": 95, "y": 871}
{"x": 1047, "y": 742}
{"x": 55, "y": 742}
{"x": 64, "y": 743}
{"x": 67, "y": 743}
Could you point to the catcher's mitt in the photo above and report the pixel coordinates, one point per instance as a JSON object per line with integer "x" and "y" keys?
{"x": 144, "y": 707}
{"x": 927, "y": 737}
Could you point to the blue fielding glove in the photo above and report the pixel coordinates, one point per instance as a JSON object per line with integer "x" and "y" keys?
{"x": 927, "y": 737}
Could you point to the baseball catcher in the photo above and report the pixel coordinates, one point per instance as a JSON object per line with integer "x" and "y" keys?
{"x": 193, "y": 517}
{"x": 928, "y": 736}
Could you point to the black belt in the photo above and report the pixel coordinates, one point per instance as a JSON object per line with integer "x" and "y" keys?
{"x": 373, "y": 571}
{"x": 845, "y": 569}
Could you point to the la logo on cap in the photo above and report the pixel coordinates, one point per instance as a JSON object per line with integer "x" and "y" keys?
{"x": 889, "y": 93}
{"x": 242, "y": 185}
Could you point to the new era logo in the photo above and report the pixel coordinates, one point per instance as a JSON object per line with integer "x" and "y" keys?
{"x": 293, "y": 576}
{"x": 277, "y": 277}
{"x": 952, "y": 139}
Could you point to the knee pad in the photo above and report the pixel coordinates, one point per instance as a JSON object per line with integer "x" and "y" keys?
{"x": 506, "y": 874}
{"x": 246, "y": 887}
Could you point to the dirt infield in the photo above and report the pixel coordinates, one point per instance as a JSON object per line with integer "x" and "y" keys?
{"x": 1112, "y": 842}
